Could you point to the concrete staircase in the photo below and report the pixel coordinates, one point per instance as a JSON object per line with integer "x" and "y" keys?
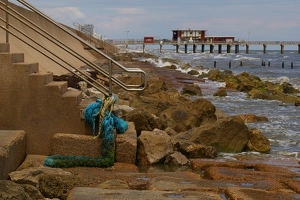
{"x": 32, "y": 102}
{"x": 43, "y": 117}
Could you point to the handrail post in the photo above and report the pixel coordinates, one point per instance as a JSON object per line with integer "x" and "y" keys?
{"x": 7, "y": 22}
{"x": 110, "y": 76}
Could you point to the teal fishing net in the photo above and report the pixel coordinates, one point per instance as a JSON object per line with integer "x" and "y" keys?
{"x": 97, "y": 113}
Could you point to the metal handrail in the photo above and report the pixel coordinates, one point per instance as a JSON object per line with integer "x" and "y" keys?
{"x": 58, "y": 43}
{"x": 92, "y": 47}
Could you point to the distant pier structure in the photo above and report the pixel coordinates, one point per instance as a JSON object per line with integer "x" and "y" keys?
{"x": 195, "y": 38}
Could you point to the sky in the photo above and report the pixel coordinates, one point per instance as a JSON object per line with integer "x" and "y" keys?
{"x": 256, "y": 20}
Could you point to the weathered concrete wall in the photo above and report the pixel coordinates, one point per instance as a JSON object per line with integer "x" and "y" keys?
{"x": 32, "y": 102}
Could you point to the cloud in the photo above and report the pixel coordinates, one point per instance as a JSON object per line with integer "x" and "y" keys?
{"x": 130, "y": 11}
{"x": 65, "y": 14}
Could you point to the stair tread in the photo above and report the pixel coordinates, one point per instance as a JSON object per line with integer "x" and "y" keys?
{"x": 71, "y": 93}
{"x": 57, "y": 83}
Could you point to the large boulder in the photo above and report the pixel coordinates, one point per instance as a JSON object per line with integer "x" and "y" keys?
{"x": 191, "y": 89}
{"x": 153, "y": 147}
{"x": 143, "y": 120}
{"x": 152, "y": 104}
{"x": 189, "y": 114}
{"x": 229, "y": 135}
{"x": 258, "y": 142}
{"x": 217, "y": 75}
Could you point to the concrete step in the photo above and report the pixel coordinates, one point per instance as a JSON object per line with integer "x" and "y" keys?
{"x": 59, "y": 87}
{"x": 25, "y": 68}
{"x": 4, "y": 48}
{"x": 72, "y": 96}
{"x": 12, "y": 151}
{"x": 17, "y": 58}
{"x": 86, "y": 145}
{"x": 40, "y": 79}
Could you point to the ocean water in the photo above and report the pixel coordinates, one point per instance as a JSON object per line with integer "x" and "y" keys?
{"x": 283, "y": 127}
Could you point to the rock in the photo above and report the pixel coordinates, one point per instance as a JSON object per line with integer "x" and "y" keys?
{"x": 114, "y": 185}
{"x": 176, "y": 159}
{"x": 58, "y": 185}
{"x": 193, "y": 150}
{"x": 122, "y": 110}
{"x": 153, "y": 147}
{"x": 232, "y": 83}
{"x": 125, "y": 95}
{"x": 229, "y": 135}
{"x": 297, "y": 101}
{"x": 220, "y": 114}
{"x": 32, "y": 161}
{"x": 170, "y": 67}
{"x": 72, "y": 80}
{"x": 11, "y": 190}
{"x": 191, "y": 89}
{"x": 152, "y": 104}
{"x": 193, "y": 72}
{"x": 217, "y": 75}
{"x": 258, "y": 142}
{"x": 33, "y": 192}
{"x": 167, "y": 97}
{"x": 243, "y": 82}
{"x": 171, "y": 132}
{"x": 155, "y": 86}
{"x": 186, "y": 66}
{"x": 258, "y": 94}
{"x": 288, "y": 88}
{"x": 31, "y": 175}
{"x": 251, "y": 118}
{"x": 220, "y": 93}
{"x": 189, "y": 114}
{"x": 143, "y": 120}
{"x": 126, "y": 145}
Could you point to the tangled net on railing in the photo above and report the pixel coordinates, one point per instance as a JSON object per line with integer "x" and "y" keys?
{"x": 99, "y": 112}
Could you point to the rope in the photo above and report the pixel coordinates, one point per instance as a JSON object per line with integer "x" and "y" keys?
{"x": 97, "y": 112}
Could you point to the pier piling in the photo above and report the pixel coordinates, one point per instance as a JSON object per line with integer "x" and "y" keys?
{"x": 194, "y": 48}
{"x": 282, "y": 49}
{"x": 228, "y": 48}
{"x": 212, "y": 48}
{"x": 264, "y": 48}
{"x": 220, "y": 48}
{"x": 247, "y": 48}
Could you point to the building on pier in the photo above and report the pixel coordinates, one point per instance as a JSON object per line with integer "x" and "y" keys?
{"x": 188, "y": 35}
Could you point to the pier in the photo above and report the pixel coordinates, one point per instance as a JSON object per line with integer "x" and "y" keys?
{"x": 229, "y": 45}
